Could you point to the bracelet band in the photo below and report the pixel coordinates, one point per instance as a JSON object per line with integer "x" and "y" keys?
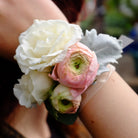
{"x": 98, "y": 84}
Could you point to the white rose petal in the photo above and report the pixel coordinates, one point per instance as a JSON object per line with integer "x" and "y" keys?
{"x": 33, "y": 88}
{"x": 45, "y": 43}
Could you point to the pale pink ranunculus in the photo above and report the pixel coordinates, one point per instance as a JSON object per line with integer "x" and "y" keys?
{"x": 63, "y": 101}
{"x": 78, "y": 69}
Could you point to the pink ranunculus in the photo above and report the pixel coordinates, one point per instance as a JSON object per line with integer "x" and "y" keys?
{"x": 63, "y": 101}
{"x": 78, "y": 70}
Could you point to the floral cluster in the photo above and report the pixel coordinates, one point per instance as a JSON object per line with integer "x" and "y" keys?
{"x": 51, "y": 52}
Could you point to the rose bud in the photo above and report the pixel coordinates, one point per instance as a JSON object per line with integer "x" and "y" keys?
{"x": 79, "y": 68}
{"x": 63, "y": 101}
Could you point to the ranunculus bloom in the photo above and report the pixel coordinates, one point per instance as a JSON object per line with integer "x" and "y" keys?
{"x": 63, "y": 101}
{"x": 78, "y": 69}
{"x": 33, "y": 88}
{"x": 45, "y": 43}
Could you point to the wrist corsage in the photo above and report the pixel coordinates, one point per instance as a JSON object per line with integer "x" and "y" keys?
{"x": 59, "y": 63}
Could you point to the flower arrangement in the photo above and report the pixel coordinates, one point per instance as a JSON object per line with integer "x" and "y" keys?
{"x": 59, "y": 63}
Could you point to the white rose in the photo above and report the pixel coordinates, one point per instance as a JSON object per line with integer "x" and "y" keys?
{"x": 33, "y": 88}
{"x": 45, "y": 43}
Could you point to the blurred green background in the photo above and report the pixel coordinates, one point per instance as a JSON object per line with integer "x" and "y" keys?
{"x": 115, "y": 16}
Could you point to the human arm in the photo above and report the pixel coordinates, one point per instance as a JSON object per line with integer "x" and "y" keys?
{"x": 113, "y": 111}
{"x": 9, "y": 41}
{"x": 17, "y": 15}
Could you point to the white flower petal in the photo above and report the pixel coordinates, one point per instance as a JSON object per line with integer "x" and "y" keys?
{"x": 33, "y": 88}
{"x": 43, "y": 42}
{"x": 42, "y": 84}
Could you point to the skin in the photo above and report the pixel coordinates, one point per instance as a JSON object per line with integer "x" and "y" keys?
{"x": 31, "y": 123}
{"x": 111, "y": 113}
{"x": 17, "y": 15}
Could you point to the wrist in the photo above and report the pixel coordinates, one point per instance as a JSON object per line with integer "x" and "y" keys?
{"x": 96, "y": 86}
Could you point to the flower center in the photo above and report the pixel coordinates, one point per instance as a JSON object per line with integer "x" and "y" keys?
{"x": 64, "y": 105}
{"x": 78, "y": 63}
{"x": 65, "y": 102}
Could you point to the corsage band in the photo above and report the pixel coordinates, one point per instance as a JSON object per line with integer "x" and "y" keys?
{"x": 98, "y": 84}
{"x": 59, "y": 63}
